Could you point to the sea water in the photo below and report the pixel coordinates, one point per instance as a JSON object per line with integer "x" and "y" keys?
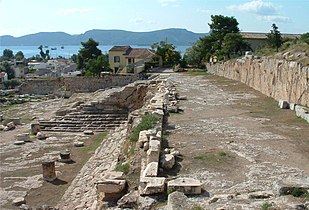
{"x": 67, "y": 51}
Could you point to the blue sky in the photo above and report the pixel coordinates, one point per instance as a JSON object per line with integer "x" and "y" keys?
{"x": 20, "y": 17}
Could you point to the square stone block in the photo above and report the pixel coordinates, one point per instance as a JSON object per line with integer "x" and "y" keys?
{"x": 185, "y": 185}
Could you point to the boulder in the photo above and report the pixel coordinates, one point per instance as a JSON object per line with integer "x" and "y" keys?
{"x": 19, "y": 142}
{"x": 23, "y": 137}
{"x": 167, "y": 161}
{"x": 9, "y": 126}
{"x": 151, "y": 185}
{"x": 41, "y": 136}
{"x": 109, "y": 186}
{"x": 35, "y": 128}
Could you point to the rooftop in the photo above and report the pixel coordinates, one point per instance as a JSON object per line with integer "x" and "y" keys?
{"x": 254, "y": 35}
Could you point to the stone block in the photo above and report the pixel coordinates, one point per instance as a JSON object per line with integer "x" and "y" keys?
{"x": 153, "y": 155}
{"x": 151, "y": 185}
{"x": 88, "y": 132}
{"x": 35, "y": 128}
{"x": 113, "y": 175}
{"x": 19, "y": 201}
{"x": 292, "y": 106}
{"x": 19, "y": 142}
{"x": 111, "y": 186}
{"x": 23, "y": 137}
{"x": 283, "y": 104}
{"x": 151, "y": 170}
{"x": 143, "y": 138}
{"x": 185, "y": 185}
{"x": 167, "y": 161}
{"x": 177, "y": 201}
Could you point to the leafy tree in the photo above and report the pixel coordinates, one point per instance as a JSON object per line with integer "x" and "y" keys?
{"x": 11, "y": 84}
{"x": 94, "y": 67}
{"x": 74, "y": 58}
{"x": 7, "y": 54}
{"x": 6, "y": 67}
{"x": 19, "y": 56}
{"x": 167, "y": 52}
{"x": 274, "y": 37}
{"x": 305, "y": 37}
{"x": 234, "y": 43}
{"x": 87, "y": 52}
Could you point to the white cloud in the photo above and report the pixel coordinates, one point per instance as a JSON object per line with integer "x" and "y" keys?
{"x": 276, "y": 18}
{"x": 165, "y": 3}
{"x": 258, "y": 7}
{"x": 72, "y": 11}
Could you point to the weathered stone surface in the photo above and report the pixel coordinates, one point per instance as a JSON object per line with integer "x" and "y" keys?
{"x": 129, "y": 200}
{"x": 111, "y": 186}
{"x": 302, "y": 112}
{"x": 19, "y": 142}
{"x": 292, "y": 106}
{"x": 174, "y": 152}
{"x": 19, "y": 201}
{"x": 167, "y": 161}
{"x": 260, "y": 195}
{"x": 41, "y": 136}
{"x": 151, "y": 185}
{"x": 23, "y": 137}
{"x": 286, "y": 186}
{"x": 151, "y": 170}
{"x": 146, "y": 202}
{"x": 35, "y": 128}
{"x": 283, "y": 104}
{"x": 177, "y": 201}
{"x": 143, "y": 138}
{"x": 113, "y": 175}
{"x": 9, "y": 126}
{"x": 78, "y": 144}
{"x": 49, "y": 171}
{"x": 88, "y": 132}
{"x": 185, "y": 185}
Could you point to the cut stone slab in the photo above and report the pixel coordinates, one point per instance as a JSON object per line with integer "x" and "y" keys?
{"x": 177, "y": 201}
{"x": 41, "y": 136}
{"x": 78, "y": 144}
{"x": 292, "y": 106}
{"x": 151, "y": 170}
{"x": 151, "y": 185}
{"x": 186, "y": 185}
{"x": 19, "y": 201}
{"x": 167, "y": 161}
{"x": 19, "y": 142}
{"x": 286, "y": 186}
{"x": 111, "y": 186}
{"x": 23, "y": 137}
{"x": 113, "y": 175}
{"x": 88, "y": 132}
{"x": 283, "y": 104}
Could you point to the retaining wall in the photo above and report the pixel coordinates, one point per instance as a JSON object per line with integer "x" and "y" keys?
{"x": 74, "y": 84}
{"x": 279, "y": 79}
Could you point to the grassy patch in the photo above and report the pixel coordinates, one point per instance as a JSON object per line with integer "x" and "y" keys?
{"x": 300, "y": 192}
{"x": 123, "y": 167}
{"x": 197, "y": 208}
{"x": 4, "y": 108}
{"x": 197, "y": 72}
{"x": 147, "y": 122}
{"x": 266, "y": 206}
{"x": 96, "y": 141}
{"x": 220, "y": 156}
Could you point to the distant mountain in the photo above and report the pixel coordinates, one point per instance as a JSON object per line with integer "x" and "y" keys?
{"x": 177, "y": 37}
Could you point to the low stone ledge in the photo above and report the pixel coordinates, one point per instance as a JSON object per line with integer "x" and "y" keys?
{"x": 286, "y": 186}
{"x": 185, "y": 185}
{"x": 151, "y": 170}
{"x": 110, "y": 186}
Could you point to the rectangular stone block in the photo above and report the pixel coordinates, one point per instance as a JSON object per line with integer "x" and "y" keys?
{"x": 111, "y": 186}
{"x": 151, "y": 185}
{"x": 283, "y": 104}
{"x": 185, "y": 185}
{"x": 151, "y": 170}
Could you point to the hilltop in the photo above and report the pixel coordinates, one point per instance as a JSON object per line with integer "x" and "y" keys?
{"x": 105, "y": 37}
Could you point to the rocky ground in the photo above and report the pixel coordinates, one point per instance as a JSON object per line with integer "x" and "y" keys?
{"x": 237, "y": 142}
{"x": 233, "y": 139}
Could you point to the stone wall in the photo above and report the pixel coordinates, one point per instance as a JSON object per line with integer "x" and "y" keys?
{"x": 74, "y": 84}
{"x": 279, "y": 79}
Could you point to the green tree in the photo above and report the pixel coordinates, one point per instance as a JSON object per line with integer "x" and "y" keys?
{"x": 6, "y": 67}
{"x": 95, "y": 66}
{"x": 167, "y": 52}
{"x": 274, "y": 37}
{"x": 305, "y": 37}
{"x": 87, "y": 52}
{"x": 7, "y": 54}
{"x": 19, "y": 56}
{"x": 234, "y": 43}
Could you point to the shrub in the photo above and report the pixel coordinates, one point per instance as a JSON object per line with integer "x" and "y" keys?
{"x": 147, "y": 122}
{"x": 123, "y": 167}
{"x": 266, "y": 206}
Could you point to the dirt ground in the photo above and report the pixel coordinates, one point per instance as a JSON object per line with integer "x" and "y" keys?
{"x": 233, "y": 138}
